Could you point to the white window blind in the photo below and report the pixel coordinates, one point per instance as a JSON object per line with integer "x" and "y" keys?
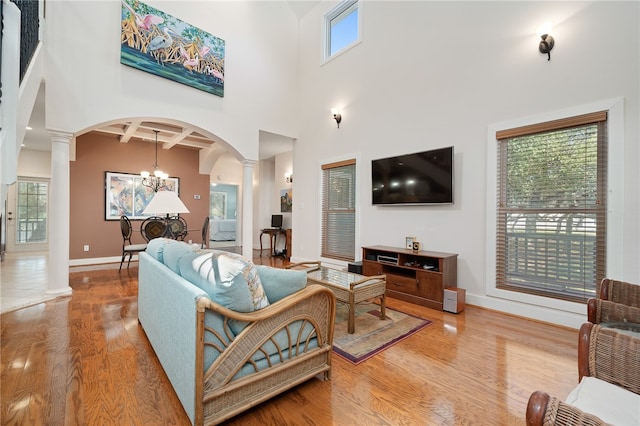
{"x": 338, "y": 210}
{"x": 551, "y": 224}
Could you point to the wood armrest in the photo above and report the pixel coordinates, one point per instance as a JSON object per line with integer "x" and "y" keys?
{"x": 543, "y": 409}
{"x": 592, "y": 310}
{"x": 536, "y": 408}
{"x": 584, "y": 336}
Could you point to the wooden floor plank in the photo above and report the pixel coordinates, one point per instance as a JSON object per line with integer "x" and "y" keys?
{"x": 86, "y": 360}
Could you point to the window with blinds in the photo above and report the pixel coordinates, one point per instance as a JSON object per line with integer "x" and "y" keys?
{"x": 551, "y": 207}
{"x": 338, "y": 210}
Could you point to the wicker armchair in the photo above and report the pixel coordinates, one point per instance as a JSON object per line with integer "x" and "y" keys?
{"x": 604, "y": 353}
{"x": 617, "y": 301}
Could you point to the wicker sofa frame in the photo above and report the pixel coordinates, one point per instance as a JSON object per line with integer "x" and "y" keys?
{"x": 616, "y": 301}
{"x": 220, "y": 397}
{"x": 282, "y": 345}
{"x": 604, "y": 353}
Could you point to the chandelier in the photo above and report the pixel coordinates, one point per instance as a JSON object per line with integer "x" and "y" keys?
{"x": 158, "y": 179}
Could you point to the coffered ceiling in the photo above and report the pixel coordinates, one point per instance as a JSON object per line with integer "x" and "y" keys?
{"x": 39, "y": 139}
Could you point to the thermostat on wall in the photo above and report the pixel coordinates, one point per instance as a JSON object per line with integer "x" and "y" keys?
{"x": 196, "y": 197}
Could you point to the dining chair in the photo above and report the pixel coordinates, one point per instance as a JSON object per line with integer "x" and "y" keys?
{"x": 177, "y": 227}
{"x": 153, "y": 227}
{"x": 127, "y": 246}
{"x": 205, "y": 233}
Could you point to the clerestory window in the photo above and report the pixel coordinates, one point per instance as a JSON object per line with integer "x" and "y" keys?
{"x": 342, "y": 27}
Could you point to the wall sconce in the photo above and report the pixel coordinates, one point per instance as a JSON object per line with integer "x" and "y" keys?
{"x": 547, "y": 42}
{"x": 336, "y": 116}
{"x": 288, "y": 177}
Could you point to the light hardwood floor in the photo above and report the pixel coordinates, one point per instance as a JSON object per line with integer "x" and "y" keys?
{"x": 85, "y": 360}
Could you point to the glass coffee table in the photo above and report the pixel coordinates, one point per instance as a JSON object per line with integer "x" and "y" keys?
{"x": 349, "y": 288}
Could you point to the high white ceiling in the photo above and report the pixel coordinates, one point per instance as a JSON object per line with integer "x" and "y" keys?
{"x": 270, "y": 144}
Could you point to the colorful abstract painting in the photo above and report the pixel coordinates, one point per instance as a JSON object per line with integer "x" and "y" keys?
{"x": 125, "y": 195}
{"x": 161, "y": 44}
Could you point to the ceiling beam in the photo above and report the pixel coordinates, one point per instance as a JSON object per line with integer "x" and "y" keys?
{"x": 130, "y": 131}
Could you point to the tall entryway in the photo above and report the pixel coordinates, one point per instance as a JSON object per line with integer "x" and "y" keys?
{"x": 223, "y": 214}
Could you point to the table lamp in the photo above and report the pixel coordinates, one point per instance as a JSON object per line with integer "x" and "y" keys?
{"x": 165, "y": 202}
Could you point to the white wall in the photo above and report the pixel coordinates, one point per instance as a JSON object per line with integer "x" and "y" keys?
{"x": 434, "y": 74}
{"x": 87, "y": 85}
{"x": 34, "y": 163}
{"x": 283, "y": 164}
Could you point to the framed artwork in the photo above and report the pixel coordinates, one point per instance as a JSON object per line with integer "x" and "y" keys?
{"x": 286, "y": 200}
{"x": 408, "y": 242}
{"x": 126, "y": 195}
{"x": 158, "y": 43}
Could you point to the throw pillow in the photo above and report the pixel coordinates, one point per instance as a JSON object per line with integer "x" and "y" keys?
{"x": 228, "y": 279}
{"x": 280, "y": 283}
{"x": 234, "y": 270}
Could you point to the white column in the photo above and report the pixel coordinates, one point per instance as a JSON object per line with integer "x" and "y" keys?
{"x": 59, "y": 213}
{"x": 247, "y": 208}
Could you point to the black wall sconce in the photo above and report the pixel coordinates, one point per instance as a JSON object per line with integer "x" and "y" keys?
{"x": 547, "y": 42}
{"x": 337, "y": 116}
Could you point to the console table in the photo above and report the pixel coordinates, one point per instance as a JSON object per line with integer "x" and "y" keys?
{"x": 418, "y": 277}
{"x": 273, "y": 239}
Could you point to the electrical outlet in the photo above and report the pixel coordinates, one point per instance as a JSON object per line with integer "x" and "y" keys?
{"x": 86, "y": 247}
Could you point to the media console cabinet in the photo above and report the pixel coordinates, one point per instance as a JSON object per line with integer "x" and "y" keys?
{"x": 414, "y": 276}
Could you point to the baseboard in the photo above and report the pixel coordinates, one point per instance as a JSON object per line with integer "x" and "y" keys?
{"x": 99, "y": 260}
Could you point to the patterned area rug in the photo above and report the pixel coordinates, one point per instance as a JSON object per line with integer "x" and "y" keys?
{"x": 372, "y": 335}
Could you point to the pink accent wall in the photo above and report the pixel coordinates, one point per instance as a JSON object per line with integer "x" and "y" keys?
{"x": 98, "y": 153}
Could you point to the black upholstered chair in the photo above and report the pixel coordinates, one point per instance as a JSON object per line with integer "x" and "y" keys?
{"x": 153, "y": 227}
{"x": 177, "y": 228}
{"x": 127, "y": 246}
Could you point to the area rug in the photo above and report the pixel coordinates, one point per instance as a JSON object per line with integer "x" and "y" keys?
{"x": 372, "y": 335}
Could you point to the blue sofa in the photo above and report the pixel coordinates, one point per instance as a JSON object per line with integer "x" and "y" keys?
{"x": 230, "y": 334}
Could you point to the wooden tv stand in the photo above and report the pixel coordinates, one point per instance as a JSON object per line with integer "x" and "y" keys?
{"x": 418, "y": 277}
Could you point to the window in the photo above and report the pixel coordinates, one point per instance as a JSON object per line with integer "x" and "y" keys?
{"x": 338, "y": 210}
{"x": 551, "y": 207}
{"x": 341, "y": 27}
{"x": 32, "y": 200}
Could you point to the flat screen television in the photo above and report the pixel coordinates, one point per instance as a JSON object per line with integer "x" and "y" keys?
{"x": 276, "y": 221}
{"x": 420, "y": 178}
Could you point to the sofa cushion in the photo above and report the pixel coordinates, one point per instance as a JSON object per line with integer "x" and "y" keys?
{"x": 156, "y": 247}
{"x": 173, "y": 252}
{"x": 280, "y": 283}
{"x": 612, "y": 404}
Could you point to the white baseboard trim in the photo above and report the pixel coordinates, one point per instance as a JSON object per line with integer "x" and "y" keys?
{"x": 99, "y": 260}
{"x": 538, "y": 313}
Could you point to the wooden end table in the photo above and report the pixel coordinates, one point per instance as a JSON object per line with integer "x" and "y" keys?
{"x": 349, "y": 288}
